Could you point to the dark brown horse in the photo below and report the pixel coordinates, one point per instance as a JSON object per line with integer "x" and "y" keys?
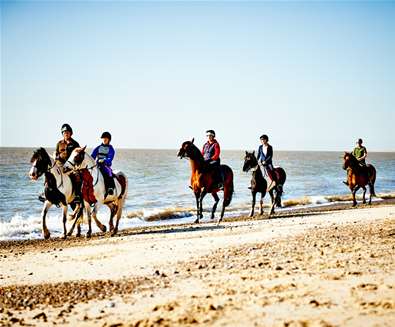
{"x": 259, "y": 184}
{"x": 359, "y": 176}
{"x": 203, "y": 182}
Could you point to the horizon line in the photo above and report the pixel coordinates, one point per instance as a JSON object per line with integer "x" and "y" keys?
{"x": 175, "y": 149}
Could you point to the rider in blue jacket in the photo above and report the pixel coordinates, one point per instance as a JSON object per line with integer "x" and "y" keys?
{"x": 104, "y": 154}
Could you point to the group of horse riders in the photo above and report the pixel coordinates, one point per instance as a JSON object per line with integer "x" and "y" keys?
{"x": 211, "y": 154}
{"x": 103, "y": 154}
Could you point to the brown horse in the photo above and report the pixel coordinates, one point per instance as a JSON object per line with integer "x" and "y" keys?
{"x": 202, "y": 180}
{"x": 359, "y": 176}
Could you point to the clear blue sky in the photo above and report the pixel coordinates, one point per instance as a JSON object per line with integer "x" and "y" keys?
{"x": 314, "y": 76}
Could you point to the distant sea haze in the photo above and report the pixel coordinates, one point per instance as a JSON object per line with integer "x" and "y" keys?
{"x": 158, "y": 186}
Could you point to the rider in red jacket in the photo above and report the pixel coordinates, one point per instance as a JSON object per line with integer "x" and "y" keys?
{"x": 211, "y": 151}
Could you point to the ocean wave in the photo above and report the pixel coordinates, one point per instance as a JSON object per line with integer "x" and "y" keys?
{"x": 20, "y": 227}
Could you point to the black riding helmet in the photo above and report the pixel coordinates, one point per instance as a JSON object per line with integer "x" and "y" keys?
{"x": 107, "y": 135}
{"x": 210, "y": 131}
{"x": 66, "y": 128}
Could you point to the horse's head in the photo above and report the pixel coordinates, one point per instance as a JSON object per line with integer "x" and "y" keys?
{"x": 41, "y": 162}
{"x": 187, "y": 150}
{"x": 76, "y": 159}
{"x": 250, "y": 161}
{"x": 348, "y": 160}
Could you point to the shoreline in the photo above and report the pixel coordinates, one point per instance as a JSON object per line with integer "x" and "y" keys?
{"x": 286, "y": 212}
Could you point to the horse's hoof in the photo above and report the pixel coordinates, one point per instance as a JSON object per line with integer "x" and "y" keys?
{"x": 69, "y": 234}
{"x": 64, "y": 237}
{"x": 103, "y": 229}
{"x": 113, "y": 233}
{"x": 212, "y": 217}
{"x": 88, "y": 235}
{"x": 47, "y": 235}
{"x": 196, "y": 221}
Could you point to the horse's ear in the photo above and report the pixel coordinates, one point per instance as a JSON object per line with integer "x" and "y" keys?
{"x": 246, "y": 152}
{"x": 193, "y": 140}
{"x": 253, "y": 153}
{"x": 83, "y": 149}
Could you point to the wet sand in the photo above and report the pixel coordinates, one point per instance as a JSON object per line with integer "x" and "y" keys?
{"x": 318, "y": 267}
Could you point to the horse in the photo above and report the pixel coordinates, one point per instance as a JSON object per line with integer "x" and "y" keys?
{"x": 259, "y": 183}
{"x": 202, "y": 180}
{"x": 80, "y": 159}
{"x": 359, "y": 176}
{"x": 58, "y": 188}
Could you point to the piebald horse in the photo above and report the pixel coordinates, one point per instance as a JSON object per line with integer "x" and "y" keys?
{"x": 202, "y": 181}
{"x": 58, "y": 188}
{"x": 80, "y": 159}
{"x": 359, "y": 176}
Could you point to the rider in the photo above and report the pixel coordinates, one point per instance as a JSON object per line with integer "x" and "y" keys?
{"x": 265, "y": 156}
{"x": 211, "y": 152}
{"x": 360, "y": 153}
{"x": 104, "y": 154}
{"x": 64, "y": 148}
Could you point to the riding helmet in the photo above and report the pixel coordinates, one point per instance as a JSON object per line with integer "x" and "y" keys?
{"x": 107, "y": 135}
{"x": 210, "y": 132}
{"x": 66, "y": 128}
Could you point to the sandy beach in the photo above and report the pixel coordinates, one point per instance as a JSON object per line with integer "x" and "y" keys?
{"x": 326, "y": 267}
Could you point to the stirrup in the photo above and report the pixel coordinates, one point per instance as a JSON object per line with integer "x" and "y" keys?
{"x": 346, "y": 183}
{"x": 110, "y": 191}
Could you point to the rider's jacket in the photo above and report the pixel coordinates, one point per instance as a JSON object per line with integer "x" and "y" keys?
{"x": 267, "y": 157}
{"x": 211, "y": 151}
{"x": 359, "y": 152}
{"x": 104, "y": 152}
{"x": 64, "y": 149}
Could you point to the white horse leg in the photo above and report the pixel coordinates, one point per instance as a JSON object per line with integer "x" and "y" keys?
{"x": 118, "y": 217}
{"x": 76, "y": 217}
{"x": 94, "y": 216}
{"x": 46, "y": 207}
{"x": 113, "y": 209}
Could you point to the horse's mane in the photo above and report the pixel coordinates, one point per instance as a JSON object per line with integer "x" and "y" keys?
{"x": 198, "y": 155}
{"x": 40, "y": 153}
{"x": 353, "y": 160}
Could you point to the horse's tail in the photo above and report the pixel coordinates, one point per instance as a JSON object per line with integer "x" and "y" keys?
{"x": 228, "y": 185}
{"x": 123, "y": 180}
{"x": 372, "y": 179}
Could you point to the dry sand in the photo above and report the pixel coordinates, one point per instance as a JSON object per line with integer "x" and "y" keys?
{"x": 334, "y": 268}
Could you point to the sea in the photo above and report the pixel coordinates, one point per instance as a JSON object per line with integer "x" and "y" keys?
{"x": 159, "y": 190}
